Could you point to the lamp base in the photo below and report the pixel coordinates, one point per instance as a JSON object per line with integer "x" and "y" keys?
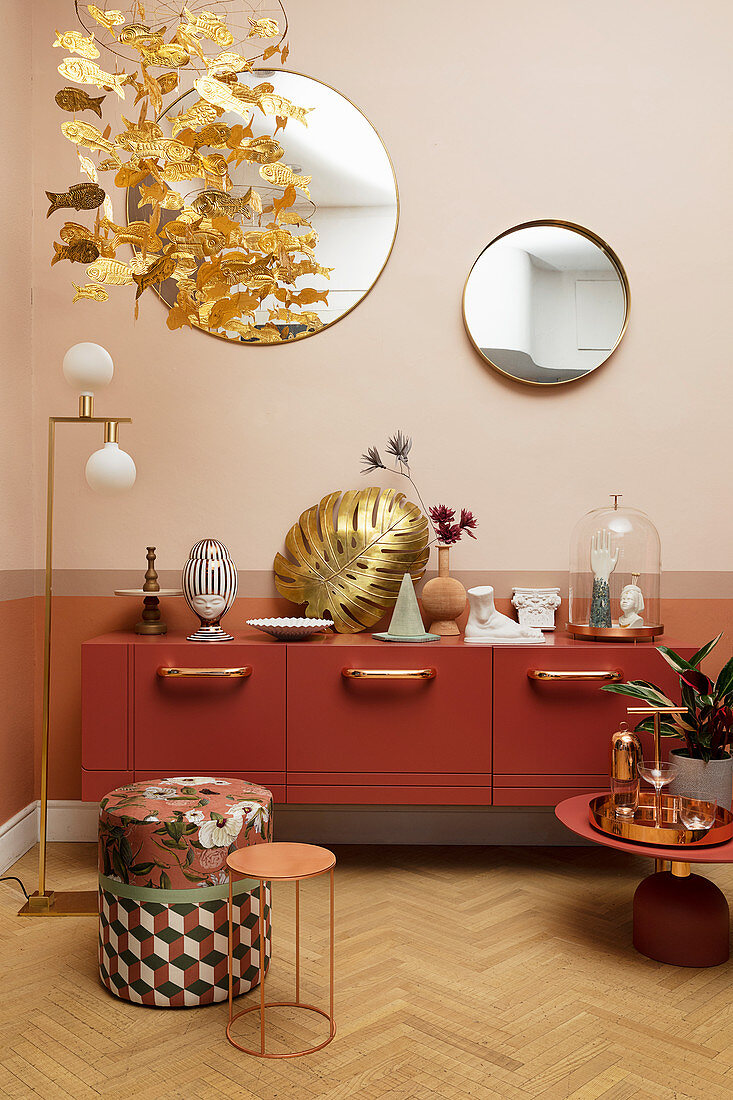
{"x": 62, "y": 903}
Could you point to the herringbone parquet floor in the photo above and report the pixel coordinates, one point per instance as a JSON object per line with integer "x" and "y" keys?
{"x": 494, "y": 973}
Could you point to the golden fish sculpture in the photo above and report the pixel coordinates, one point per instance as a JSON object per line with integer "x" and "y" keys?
{"x": 82, "y": 71}
{"x": 140, "y": 37}
{"x": 216, "y": 92}
{"x": 93, "y": 291}
{"x": 263, "y": 28}
{"x": 114, "y": 272}
{"x": 82, "y": 196}
{"x": 210, "y": 26}
{"x": 228, "y": 63}
{"x": 171, "y": 56}
{"x": 87, "y": 167}
{"x": 160, "y": 270}
{"x": 179, "y": 173}
{"x": 279, "y": 175}
{"x": 271, "y": 104}
{"x": 80, "y": 252}
{"x": 74, "y": 231}
{"x": 201, "y": 114}
{"x": 77, "y": 100}
{"x": 263, "y": 150}
{"x": 83, "y": 133}
{"x": 213, "y": 201}
{"x": 107, "y": 19}
{"x": 75, "y": 42}
{"x": 159, "y": 194}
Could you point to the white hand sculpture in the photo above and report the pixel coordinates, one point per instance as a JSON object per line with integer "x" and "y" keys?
{"x": 602, "y": 561}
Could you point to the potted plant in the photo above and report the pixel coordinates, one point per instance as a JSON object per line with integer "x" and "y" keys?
{"x": 705, "y": 764}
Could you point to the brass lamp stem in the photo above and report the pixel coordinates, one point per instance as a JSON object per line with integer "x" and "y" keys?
{"x": 111, "y": 431}
{"x": 45, "y": 902}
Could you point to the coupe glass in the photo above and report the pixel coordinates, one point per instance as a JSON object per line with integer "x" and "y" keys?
{"x": 659, "y": 775}
{"x": 697, "y": 813}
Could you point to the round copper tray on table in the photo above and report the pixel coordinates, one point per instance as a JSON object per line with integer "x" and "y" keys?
{"x": 642, "y": 828}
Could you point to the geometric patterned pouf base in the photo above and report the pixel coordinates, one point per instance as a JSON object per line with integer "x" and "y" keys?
{"x": 175, "y": 955}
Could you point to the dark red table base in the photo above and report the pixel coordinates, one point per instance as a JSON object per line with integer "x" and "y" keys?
{"x": 681, "y": 921}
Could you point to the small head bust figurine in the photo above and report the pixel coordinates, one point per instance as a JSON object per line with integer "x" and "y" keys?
{"x": 631, "y": 602}
{"x": 209, "y": 584}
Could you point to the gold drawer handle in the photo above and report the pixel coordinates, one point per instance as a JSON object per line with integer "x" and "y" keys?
{"x": 389, "y": 673}
{"x": 241, "y": 673}
{"x": 602, "y": 677}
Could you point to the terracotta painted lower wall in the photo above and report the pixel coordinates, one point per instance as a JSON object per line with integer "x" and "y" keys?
{"x": 77, "y": 618}
{"x": 17, "y": 705}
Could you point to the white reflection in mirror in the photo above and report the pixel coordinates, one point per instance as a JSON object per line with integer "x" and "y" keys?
{"x": 353, "y": 203}
{"x": 545, "y": 304}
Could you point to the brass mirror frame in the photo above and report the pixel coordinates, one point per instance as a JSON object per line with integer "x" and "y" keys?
{"x": 317, "y": 332}
{"x": 607, "y": 251}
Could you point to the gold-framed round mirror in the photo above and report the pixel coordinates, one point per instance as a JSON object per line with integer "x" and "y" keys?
{"x": 307, "y": 202}
{"x": 546, "y": 302}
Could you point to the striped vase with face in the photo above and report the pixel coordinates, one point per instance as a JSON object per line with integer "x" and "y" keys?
{"x": 209, "y": 584}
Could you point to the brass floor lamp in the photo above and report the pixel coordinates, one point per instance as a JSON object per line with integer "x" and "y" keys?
{"x": 87, "y": 367}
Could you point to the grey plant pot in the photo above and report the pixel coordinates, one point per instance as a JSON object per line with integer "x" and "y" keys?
{"x": 696, "y": 779}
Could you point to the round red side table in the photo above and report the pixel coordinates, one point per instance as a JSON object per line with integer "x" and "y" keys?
{"x": 679, "y": 918}
{"x": 281, "y": 862}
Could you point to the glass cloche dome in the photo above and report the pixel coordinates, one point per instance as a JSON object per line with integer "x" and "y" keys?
{"x": 615, "y": 570}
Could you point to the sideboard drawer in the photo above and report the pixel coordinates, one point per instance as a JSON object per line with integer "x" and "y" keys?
{"x": 563, "y": 727}
{"x": 421, "y": 727}
{"x": 209, "y": 723}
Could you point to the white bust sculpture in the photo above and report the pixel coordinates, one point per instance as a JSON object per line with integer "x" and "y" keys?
{"x": 632, "y": 602}
{"x": 487, "y": 626}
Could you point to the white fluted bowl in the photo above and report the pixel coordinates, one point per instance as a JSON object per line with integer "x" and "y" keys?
{"x": 291, "y": 630}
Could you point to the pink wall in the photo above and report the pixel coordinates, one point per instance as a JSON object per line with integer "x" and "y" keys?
{"x": 613, "y": 115}
{"x": 610, "y": 115}
{"x": 16, "y": 490}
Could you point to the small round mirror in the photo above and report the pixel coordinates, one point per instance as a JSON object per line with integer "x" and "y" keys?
{"x": 546, "y": 302}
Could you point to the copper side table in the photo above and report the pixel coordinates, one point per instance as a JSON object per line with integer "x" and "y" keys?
{"x": 281, "y": 863}
{"x": 679, "y": 918}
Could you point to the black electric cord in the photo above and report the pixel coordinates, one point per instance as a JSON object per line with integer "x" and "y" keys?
{"x": 12, "y": 878}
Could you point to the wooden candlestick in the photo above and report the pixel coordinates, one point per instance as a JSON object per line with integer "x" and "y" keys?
{"x": 150, "y": 621}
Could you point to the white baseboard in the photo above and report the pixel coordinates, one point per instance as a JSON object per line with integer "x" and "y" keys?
{"x": 67, "y": 820}
{"x": 70, "y": 820}
{"x": 18, "y": 835}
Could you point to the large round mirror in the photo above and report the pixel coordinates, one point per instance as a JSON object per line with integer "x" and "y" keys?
{"x": 546, "y": 302}
{"x": 292, "y": 216}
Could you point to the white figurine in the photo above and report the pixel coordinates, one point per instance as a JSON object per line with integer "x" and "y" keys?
{"x": 603, "y": 563}
{"x": 487, "y": 626}
{"x": 632, "y": 602}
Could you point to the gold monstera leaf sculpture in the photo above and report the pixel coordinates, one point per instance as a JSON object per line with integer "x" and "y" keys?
{"x": 348, "y": 558}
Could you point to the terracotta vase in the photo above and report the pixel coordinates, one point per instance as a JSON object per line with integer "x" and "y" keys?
{"x": 443, "y": 598}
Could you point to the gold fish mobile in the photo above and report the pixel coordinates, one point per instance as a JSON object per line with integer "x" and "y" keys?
{"x": 263, "y": 28}
{"x": 82, "y": 196}
{"x": 76, "y": 100}
{"x": 228, "y": 267}
{"x": 107, "y": 19}
{"x": 92, "y": 290}
{"x": 75, "y": 42}
{"x": 86, "y": 72}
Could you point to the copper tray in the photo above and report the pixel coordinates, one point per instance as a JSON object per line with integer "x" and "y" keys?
{"x": 642, "y": 827}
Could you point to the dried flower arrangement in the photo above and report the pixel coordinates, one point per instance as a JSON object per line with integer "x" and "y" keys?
{"x": 446, "y": 530}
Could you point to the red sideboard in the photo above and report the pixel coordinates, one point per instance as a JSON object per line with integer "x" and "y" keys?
{"x": 474, "y": 729}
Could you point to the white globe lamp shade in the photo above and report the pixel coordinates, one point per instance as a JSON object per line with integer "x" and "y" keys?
{"x": 110, "y": 470}
{"x": 88, "y": 368}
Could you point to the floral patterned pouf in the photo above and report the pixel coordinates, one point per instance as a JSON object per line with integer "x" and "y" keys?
{"x": 163, "y": 889}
